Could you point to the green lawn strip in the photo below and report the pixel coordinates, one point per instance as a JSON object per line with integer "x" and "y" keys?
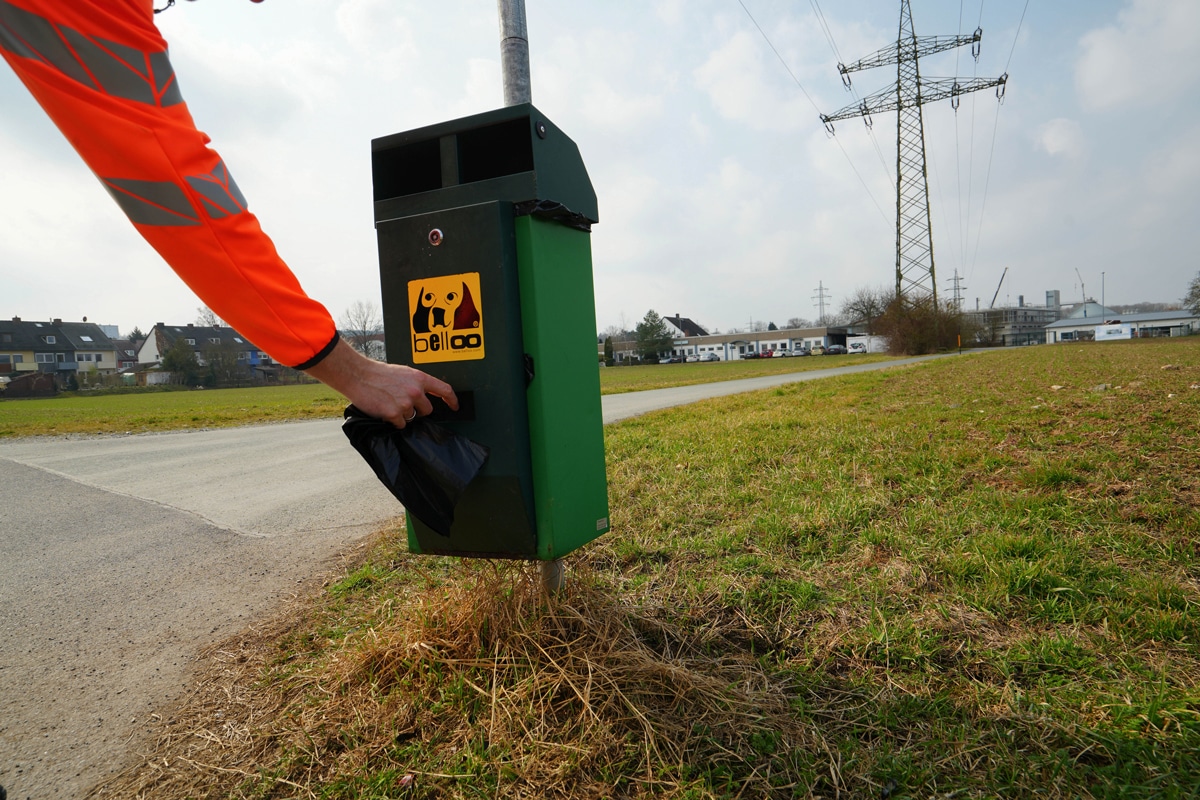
{"x": 152, "y": 411}
{"x": 156, "y": 410}
{"x": 950, "y": 579}
{"x": 643, "y": 377}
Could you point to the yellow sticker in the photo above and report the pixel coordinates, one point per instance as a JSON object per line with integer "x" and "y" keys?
{"x": 447, "y": 321}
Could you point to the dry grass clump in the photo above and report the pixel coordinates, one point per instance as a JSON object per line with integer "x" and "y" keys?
{"x": 483, "y": 680}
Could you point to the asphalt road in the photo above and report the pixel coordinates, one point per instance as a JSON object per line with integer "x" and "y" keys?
{"x": 121, "y": 557}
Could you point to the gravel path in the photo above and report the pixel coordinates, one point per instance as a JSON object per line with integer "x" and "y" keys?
{"x": 123, "y": 556}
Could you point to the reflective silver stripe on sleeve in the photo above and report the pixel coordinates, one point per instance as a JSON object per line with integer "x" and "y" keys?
{"x": 221, "y": 195}
{"x": 152, "y": 202}
{"x": 120, "y": 70}
{"x": 30, "y": 36}
{"x": 165, "y": 84}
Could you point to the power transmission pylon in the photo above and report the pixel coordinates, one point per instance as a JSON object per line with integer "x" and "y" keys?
{"x": 821, "y": 296}
{"x": 914, "y": 236}
{"x": 958, "y": 289}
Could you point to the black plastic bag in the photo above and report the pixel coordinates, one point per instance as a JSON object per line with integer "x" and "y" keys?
{"x": 426, "y": 466}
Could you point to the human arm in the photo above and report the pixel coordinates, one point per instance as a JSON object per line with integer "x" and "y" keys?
{"x": 115, "y": 96}
{"x": 387, "y": 391}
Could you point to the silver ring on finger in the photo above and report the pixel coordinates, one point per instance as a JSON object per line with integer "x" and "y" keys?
{"x": 414, "y": 416}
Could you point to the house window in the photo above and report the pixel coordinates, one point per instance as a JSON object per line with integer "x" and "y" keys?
{"x": 18, "y": 359}
{"x": 214, "y": 340}
{"x": 5, "y": 359}
{"x": 86, "y": 338}
{"x": 192, "y": 342}
{"x": 49, "y": 340}
{"x": 44, "y": 358}
{"x": 238, "y": 340}
{"x": 83, "y": 357}
{"x": 243, "y": 355}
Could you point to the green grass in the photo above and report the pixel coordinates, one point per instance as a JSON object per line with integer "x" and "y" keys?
{"x": 156, "y": 410}
{"x": 148, "y": 411}
{"x": 615, "y": 380}
{"x": 973, "y": 577}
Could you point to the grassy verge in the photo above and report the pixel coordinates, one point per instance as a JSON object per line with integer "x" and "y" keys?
{"x": 616, "y": 380}
{"x": 164, "y": 411}
{"x": 152, "y": 411}
{"x": 975, "y": 577}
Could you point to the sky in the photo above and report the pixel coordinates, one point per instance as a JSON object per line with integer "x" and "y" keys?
{"x": 722, "y": 196}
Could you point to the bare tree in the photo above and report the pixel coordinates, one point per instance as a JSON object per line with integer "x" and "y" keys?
{"x": 799, "y": 322}
{"x": 361, "y": 326}
{"x": 1191, "y": 300}
{"x": 205, "y": 317}
{"x": 866, "y": 305}
{"x": 616, "y": 333}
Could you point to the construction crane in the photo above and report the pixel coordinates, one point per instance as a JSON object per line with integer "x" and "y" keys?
{"x": 997, "y": 294}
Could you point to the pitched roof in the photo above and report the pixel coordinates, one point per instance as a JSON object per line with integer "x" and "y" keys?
{"x": 686, "y": 326}
{"x": 201, "y": 334}
{"x": 30, "y": 335}
{"x": 86, "y": 336}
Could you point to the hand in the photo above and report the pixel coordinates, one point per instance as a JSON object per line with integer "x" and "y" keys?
{"x": 387, "y": 391}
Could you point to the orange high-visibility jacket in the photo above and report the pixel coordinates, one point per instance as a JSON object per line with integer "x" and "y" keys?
{"x": 100, "y": 70}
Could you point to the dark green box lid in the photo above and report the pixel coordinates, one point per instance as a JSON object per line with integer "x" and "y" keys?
{"x": 511, "y": 154}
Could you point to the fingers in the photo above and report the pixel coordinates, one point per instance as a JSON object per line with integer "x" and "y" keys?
{"x": 440, "y": 389}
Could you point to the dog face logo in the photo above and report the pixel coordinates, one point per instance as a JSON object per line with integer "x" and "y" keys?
{"x": 447, "y": 324}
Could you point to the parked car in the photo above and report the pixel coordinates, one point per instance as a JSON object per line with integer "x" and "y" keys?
{"x": 781, "y": 354}
{"x": 671, "y": 360}
{"x": 818, "y": 350}
{"x": 835, "y": 350}
{"x": 750, "y": 354}
{"x": 692, "y": 359}
{"x": 710, "y": 357}
{"x": 858, "y": 347}
{"x": 800, "y": 351}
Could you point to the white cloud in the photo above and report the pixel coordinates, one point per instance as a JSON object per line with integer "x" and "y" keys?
{"x": 381, "y": 38}
{"x": 1061, "y": 137}
{"x": 1147, "y": 58}
{"x": 670, "y": 12}
{"x": 735, "y": 79}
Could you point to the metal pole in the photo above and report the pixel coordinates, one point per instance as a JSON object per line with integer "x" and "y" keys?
{"x": 514, "y": 52}
{"x": 514, "y": 66}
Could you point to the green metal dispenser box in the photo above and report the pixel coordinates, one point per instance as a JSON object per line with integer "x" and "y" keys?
{"x": 486, "y": 275}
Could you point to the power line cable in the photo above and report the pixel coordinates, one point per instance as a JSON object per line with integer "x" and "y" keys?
{"x": 1016, "y": 36}
{"x": 992, "y": 148}
{"x": 824, "y": 24}
{"x": 987, "y": 180}
{"x": 995, "y": 128}
{"x": 825, "y": 27}
{"x": 774, "y": 50}
{"x": 767, "y": 39}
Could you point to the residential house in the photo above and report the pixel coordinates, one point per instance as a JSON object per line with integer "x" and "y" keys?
{"x": 127, "y": 354}
{"x": 205, "y": 341}
{"x": 61, "y": 348}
